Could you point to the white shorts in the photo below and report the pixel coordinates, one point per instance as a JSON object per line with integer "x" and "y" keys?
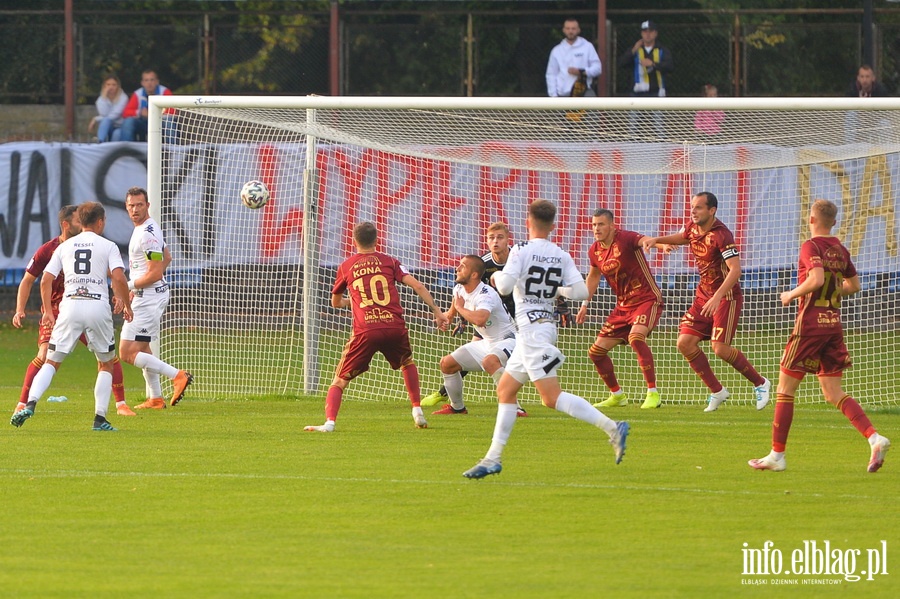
{"x": 148, "y": 311}
{"x": 536, "y": 356}
{"x": 77, "y": 316}
{"x": 472, "y": 354}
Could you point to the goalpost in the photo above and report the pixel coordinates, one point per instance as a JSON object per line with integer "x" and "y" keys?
{"x": 250, "y": 313}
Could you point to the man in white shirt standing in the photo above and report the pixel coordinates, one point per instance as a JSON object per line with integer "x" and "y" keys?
{"x": 85, "y": 261}
{"x": 573, "y": 64}
{"x": 148, "y": 257}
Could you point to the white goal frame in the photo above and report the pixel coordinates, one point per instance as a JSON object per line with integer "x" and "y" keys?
{"x": 315, "y": 377}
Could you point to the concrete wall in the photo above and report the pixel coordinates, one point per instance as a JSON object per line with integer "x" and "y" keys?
{"x": 24, "y": 122}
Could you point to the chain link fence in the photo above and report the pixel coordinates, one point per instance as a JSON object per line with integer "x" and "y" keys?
{"x": 433, "y": 53}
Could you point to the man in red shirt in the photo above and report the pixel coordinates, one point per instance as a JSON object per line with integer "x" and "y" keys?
{"x": 816, "y": 345}
{"x": 370, "y": 277}
{"x": 717, "y": 304}
{"x": 69, "y": 227}
{"x": 617, "y": 255}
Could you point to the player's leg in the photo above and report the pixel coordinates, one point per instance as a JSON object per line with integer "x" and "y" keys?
{"x": 507, "y": 389}
{"x": 836, "y": 359}
{"x": 394, "y": 346}
{"x": 725, "y": 324}
{"x": 355, "y": 359}
{"x": 644, "y": 319}
{"x": 613, "y": 332}
{"x": 788, "y": 382}
{"x": 103, "y": 390}
{"x": 494, "y": 363}
{"x": 33, "y": 368}
{"x": 134, "y": 346}
{"x": 118, "y": 388}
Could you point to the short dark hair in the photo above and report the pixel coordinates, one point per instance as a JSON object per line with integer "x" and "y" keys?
{"x": 137, "y": 191}
{"x": 476, "y": 262}
{"x": 604, "y": 212}
{"x": 711, "y": 200}
{"x": 66, "y": 213}
{"x": 91, "y": 213}
{"x": 543, "y": 211}
{"x": 365, "y": 234}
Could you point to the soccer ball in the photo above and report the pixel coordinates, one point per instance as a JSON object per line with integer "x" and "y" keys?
{"x": 254, "y": 194}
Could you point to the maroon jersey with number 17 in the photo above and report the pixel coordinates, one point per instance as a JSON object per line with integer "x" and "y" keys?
{"x": 371, "y": 279}
{"x": 820, "y": 311}
{"x": 711, "y": 250}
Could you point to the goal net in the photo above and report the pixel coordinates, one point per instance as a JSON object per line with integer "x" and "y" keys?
{"x": 250, "y": 313}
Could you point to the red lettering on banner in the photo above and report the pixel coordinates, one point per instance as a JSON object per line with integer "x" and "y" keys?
{"x": 352, "y": 176}
{"x": 743, "y": 203}
{"x": 490, "y": 190}
{"x": 386, "y": 197}
{"x": 676, "y": 202}
{"x": 437, "y": 201}
{"x": 273, "y": 235}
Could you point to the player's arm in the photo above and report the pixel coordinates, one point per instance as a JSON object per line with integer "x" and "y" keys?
{"x": 658, "y": 242}
{"x": 663, "y": 247}
{"x": 22, "y": 296}
{"x": 850, "y": 285}
{"x": 815, "y": 278}
{"x": 576, "y": 292}
{"x": 157, "y": 261}
{"x": 475, "y": 317}
{"x": 734, "y": 274}
{"x": 47, "y": 298}
{"x": 339, "y": 302}
{"x": 121, "y": 291}
{"x": 423, "y": 293}
{"x": 503, "y": 282}
{"x": 593, "y": 280}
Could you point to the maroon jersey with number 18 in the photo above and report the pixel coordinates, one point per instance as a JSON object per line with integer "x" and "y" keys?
{"x": 371, "y": 279}
{"x": 36, "y": 269}
{"x": 819, "y": 312}
{"x": 625, "y": 268}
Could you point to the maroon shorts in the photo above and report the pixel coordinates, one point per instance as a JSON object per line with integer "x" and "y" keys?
{"x": 720, "y": 328}
{"x": 361, "y": 347}
{"x": 816, "y": 354}
{"x": 618, "y": 324}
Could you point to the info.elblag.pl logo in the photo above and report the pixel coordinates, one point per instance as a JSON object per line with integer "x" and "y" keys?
{"x": 813, "y": 562}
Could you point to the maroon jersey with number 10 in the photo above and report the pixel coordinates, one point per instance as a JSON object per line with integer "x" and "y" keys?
{"x": 819, "y": 312}
{"x": 371, "y": 279}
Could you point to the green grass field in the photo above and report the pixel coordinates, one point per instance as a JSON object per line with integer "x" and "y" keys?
{"x": 231, "y": 498}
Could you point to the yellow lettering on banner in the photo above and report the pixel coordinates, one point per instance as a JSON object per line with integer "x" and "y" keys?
{"x": 864, "y": 211}
{"x": 856, "y": 214}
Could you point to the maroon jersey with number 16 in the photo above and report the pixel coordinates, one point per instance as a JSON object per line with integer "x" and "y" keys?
{"x": 371, "y": 279}
{"x": 820, "y": 311}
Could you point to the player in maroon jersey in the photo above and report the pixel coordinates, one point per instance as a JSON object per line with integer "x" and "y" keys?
{"x": 717, "y": 304}
{"x": 370, "y": 277}
{"x": 69, "y": 227}
{"x": 816, "y": 345}
{"x": 617, "y": 255}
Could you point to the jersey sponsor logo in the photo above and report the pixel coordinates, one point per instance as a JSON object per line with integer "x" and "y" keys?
{"x": 539, "y": 316}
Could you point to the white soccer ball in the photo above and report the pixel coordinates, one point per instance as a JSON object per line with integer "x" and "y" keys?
{"x": 254, "y": 194}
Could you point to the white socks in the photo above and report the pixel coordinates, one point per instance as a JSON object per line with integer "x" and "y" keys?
{"x": 154, "y": 389}
{"x": 506, "y": 419}
{"x": 102, "y": 391}
{"x": 453, "y": 383}
{"x": 42, "y": 381}
{"x": 580, "y": 408}
{"x": 154, "y": 364}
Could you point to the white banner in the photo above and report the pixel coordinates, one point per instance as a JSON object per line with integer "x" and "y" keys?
{"x": 433, "y": 212}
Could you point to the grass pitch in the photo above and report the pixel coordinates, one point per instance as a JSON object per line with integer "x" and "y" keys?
{"x": 231, "y": 498}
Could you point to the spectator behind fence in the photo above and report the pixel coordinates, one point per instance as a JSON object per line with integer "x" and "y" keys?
{"x": 650, "y": 63}
{"x": 135, "y": 126}
{"x": 864, "y": 126}
{"x": 110, "y": 105}
{"x": 865, "y": 85}
{"x": 573, "y": 65}
{"x": 709, "y": 122}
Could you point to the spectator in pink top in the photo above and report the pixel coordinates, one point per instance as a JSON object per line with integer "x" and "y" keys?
{"x": 709, "y": 122}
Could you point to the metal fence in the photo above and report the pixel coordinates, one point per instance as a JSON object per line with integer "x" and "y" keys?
{"x": 434, "y": 53}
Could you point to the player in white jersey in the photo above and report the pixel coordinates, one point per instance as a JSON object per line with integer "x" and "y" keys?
{"x": 85, "y": 261}
{"x": 148, "y": 258}
{"x": 536, "y": 273}
{"x": 480, "y": 305}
